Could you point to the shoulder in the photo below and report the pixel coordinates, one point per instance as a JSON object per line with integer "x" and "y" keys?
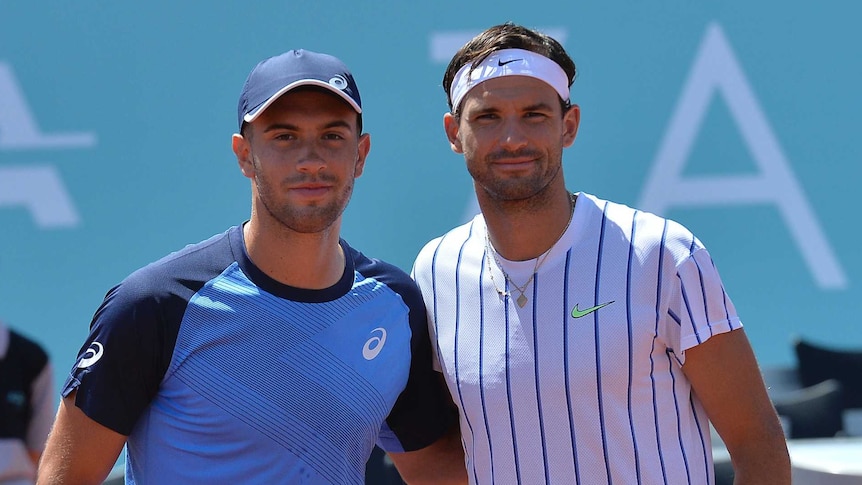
{"x": 448, "y": 245}
{"x": 189, "y": 268}
{"x": 648, "y": 231}
{"x": 161, "y": 290}
{"x": 385, "y": 273}
{"x": 25, "y": 342}
{"x": 28, "y": 349}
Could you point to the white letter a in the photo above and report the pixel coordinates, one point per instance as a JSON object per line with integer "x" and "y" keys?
{"x": 716, "y": 69}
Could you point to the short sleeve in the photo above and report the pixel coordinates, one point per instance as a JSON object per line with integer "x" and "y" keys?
{"x": 121, "y": 364}
{"x": 699, "y": 305}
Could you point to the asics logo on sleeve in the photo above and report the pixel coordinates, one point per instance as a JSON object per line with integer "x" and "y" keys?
{"x": 578, "y": 313}
{"x": 91, "y": 356}
{"x": 374, "y": 345}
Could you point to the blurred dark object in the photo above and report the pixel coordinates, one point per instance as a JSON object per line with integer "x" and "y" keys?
{"x": 813, "y": 412}
{"x": 380, "y": 471}
{"x": 817, "y": 363}
{"x": 724, "y": 472}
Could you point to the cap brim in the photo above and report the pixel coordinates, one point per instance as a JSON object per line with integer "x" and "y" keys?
{"x": 252, "y": 115}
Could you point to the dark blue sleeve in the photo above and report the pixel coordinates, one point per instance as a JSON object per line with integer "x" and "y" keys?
{"x": 132, "y": 335}
{"x": 122, "y": 362}
{"x": 423, "y": 411}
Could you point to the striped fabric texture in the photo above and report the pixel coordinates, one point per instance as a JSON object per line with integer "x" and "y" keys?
{"x": 584, "y": 383}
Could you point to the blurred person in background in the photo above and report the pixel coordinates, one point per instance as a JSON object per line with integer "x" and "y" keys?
{"x": 28, "y": 405}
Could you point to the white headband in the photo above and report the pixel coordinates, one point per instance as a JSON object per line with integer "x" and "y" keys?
{"x": 509, "y": 62}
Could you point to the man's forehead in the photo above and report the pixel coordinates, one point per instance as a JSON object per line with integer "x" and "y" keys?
{"x": 309, "y": 111}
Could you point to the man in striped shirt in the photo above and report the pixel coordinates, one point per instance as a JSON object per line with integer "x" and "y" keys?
{"x": 583, "y": 341}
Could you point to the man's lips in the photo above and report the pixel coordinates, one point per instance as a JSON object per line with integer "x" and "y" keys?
{"x": 311, "y": 189}
{"x": 514, "y": 163}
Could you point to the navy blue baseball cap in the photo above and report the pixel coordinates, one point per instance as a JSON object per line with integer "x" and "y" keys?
{"x": 279, "y": 74}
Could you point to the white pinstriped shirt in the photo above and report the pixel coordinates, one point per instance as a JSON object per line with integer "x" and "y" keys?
{"x": 548, "y": 398}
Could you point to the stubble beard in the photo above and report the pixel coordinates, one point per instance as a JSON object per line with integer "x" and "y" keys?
{"x": 306, "y": 219}
{"x": 514, "y": 189}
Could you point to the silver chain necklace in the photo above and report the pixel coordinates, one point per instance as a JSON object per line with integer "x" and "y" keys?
{"x": 489, "y": 250}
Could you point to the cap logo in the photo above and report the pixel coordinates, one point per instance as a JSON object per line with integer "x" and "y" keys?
{"x": 338, "y": 82}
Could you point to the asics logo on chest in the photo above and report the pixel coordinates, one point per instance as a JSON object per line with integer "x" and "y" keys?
{"x": 374, "y": 345}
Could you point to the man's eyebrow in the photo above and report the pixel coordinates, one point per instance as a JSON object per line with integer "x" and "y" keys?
{"x": 280, "y": 126}
{"x": 338, "y": 124}
{"x": 483, "y": 111}
{"x": 542, "y": 106}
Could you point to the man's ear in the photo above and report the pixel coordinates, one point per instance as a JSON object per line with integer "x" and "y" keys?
{"x": 242, "y": 150}
{"x": 450, "y": 124}
{"x": 362, "y": 153}
{"x": 571, "y": 121}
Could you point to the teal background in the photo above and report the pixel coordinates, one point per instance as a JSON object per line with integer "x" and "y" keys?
{"x": 156, "y": 84}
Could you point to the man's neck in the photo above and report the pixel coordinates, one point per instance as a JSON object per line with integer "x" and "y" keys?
{"x": 311, "y": 261}
{"x": 520, "y": 232}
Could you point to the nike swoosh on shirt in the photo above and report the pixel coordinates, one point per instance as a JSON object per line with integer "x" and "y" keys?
{"x": 577, "y": 313}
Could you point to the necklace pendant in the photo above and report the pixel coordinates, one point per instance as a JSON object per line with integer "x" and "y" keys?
{"x": 521, "y": 301}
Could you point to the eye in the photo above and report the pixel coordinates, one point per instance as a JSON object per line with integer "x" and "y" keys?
{"x": 333, "y": 136}
{"x": 486, "y": 116}
{"x": 535, "y": 114}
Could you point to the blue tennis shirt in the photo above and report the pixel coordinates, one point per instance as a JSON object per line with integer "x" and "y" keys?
{"x": 219, "y": 374}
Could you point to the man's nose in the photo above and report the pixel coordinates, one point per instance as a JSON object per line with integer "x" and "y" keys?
{"x": 512, "y": 136}
{"x": 310, "y": 159}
